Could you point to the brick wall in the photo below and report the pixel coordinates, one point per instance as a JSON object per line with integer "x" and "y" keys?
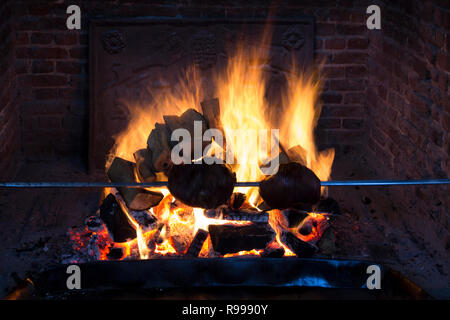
{"x": 408, "y": 107}
{"x": 9, "y": 121}
{"x": 51, "y": 63}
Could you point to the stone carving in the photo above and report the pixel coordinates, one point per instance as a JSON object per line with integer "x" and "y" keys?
{"x": 113, "y": 41}
{"x": 293, "y": 39}
{"x": 204, "y": 50}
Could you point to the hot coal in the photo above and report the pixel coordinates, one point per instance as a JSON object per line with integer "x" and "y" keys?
{"x": 234, "y": 238}
{"x": 292, "y": 184}
{"x": 116, "y": 221}
{"x": 201, "y": 185}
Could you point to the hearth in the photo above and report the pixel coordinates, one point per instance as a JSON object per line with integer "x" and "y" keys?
{"x": 295, "y": 151}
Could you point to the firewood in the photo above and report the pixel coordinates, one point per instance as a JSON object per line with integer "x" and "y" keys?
{"x": 158, "y": 144}
{"x": 197, "y": 243}
{"x": 234, "y": 238}
{"x": 245, "y": 215}
{"x": 307, "y": 226}
{"x": 143, "y": 158}
{"x": 237, "y": 200}
{"x": 116, "y": 221}
{"x": 293, "y": 183}
{"x": 135, "y": 198}
{"x": 115, "y": 253}
{"x": 186, "y": 121}
{"x": 272, "y": 252}
{"x": 301, "y": 248}
{"x": 293, "y": 217}
{"x": 201, "y": 184}
{"x": 211, "y": 112}
{"x": 297, "y": 154}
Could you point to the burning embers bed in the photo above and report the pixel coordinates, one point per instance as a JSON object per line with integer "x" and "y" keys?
{"x": 176, "y": 230}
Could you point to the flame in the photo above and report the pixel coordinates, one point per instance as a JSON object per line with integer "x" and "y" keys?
{"x": 245, "y": 115}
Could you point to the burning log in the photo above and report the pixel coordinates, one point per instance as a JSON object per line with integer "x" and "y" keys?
{"x": 143, "y": 158}
{"x": 301, "y": 248}
{"x": 135, "y": 198}
{"x": 116, "y": 220}
{"x": 158, "y": 144}
{"x": 293, "y": 217}
{"x": 292, "y": 184}
{"x": 187, "y": 121}
{"x": 272, "y": 252}
{"x": 211, "y": 112}
{"x": 201, "y": 185}
{"x": 197, "y": 243}
{"x": 237, "y": 200}
{"x": 245, "y": 215}
{"x": 297, "y": 154}
{"x": 234, "y": 238}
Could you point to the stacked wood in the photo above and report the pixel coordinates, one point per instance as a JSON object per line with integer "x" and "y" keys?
{"x": 201, "y": 185}
{"x": 301, "y": 248}
{"x": 292, "y": 184}
{"x": 211, "y": 112}
{"x": 116, "y": 220}
{"x": 234, "y": 238}
{"x": 158, "y": 144}
{"x": 135, "y": 198}
{"x": 187, "y": 121}
{"x": 197, "y": 243}
{"x": 143, "y": 158}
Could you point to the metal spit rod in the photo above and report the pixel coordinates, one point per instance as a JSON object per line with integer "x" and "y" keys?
{"x": 344, "y": 183}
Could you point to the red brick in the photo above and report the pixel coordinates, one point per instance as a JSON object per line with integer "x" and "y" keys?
{"x": 48, "y": 80}
{"x": 325, "y": 29}
{"x": 357, "y": 43}
{"x": 21, "y": 39}
{"x": 40, "y": 53}
{"x": 68, "y": 67}
{"x": 355, "y": 71}
{"x": 40, "y": 66}
{"x": 354, "y": 98}
{"x": 352, "y": 123}
{"x": 328, "y": 97}
{"x": 345, "y": 29}
{"x": 443, "y": 60}
{"x": 46, "y": 94}
{"x": 335, "y": 44}
{"x": 348, "y": 57}
{"x": 66, "y": 38}
{"x": 41, "y": 38}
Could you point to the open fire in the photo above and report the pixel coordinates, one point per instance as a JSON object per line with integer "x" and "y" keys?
{"x": 137, "y": 223}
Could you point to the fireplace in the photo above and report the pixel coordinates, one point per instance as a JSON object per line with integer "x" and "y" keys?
{"x": 96, "y": 104}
